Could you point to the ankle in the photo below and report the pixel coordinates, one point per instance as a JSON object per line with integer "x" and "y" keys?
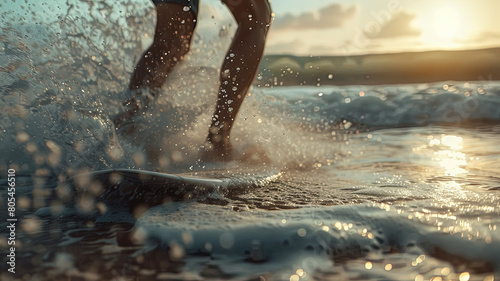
{"x": 139, "y": 98}
{"x": 213, "y": 151}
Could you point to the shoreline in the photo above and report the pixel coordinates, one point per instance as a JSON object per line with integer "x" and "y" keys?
{"x": 380, "y": 69}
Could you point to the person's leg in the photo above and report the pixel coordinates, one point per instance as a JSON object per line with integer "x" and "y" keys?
{"x": 238, "y": 72}
{"x": 174, "y": 32}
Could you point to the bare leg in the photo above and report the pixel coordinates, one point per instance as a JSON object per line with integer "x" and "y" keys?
{"x": 238, "y": 71}
{"x": 172, "y": 41}
{"x": 173, "y": 35}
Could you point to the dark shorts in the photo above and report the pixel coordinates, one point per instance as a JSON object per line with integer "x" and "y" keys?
{"x": 190, "y": 3}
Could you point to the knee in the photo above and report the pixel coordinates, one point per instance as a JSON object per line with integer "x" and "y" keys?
{"x": 251, "y": 13}
{"x": 263, "y": 13}
{"x": 174, "y": 27}
{"x": 175, "y": 38}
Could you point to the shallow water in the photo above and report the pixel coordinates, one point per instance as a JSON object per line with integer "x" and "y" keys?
{"x": 390, "y": 182}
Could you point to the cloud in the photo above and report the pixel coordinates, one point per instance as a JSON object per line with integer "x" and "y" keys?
{"x": 400, "y": 25}
{"x": 331, "y": 16}
{"x": 482, "y": 37}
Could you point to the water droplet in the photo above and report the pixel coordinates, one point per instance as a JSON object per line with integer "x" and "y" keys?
{"x": 226, "y": 240}
{"x": 368, "y": 265}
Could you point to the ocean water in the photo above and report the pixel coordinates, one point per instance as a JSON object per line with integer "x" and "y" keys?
{"x": 388, "y": 182}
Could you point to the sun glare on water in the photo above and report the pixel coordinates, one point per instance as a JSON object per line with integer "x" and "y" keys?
{"x": 450, "y": 157}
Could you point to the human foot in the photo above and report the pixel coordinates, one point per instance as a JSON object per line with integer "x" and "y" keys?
{"x": 217, "y": 147}
{"x": 139, "y": 101}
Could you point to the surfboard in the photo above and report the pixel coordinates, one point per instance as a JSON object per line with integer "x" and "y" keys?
{"x": 129, "y": 188}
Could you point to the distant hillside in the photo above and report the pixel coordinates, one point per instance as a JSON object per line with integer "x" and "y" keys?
{"x": 472, "y": 65}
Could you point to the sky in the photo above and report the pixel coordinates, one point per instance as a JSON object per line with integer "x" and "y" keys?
{"x": 349, "y": 27}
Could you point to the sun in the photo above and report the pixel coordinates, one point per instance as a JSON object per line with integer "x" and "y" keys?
{"x": 446, "y": 23}
{"x": 443, "y": 25}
